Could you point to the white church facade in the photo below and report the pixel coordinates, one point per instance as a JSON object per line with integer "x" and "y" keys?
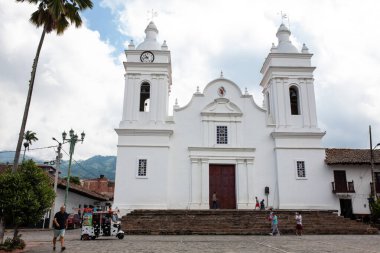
{"x": 221, "y": 141}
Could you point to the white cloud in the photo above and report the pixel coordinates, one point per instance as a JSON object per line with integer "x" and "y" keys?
{"x": 79, "y": 85}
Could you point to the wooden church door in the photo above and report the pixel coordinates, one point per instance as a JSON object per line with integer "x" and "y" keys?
{"x": 222, "y": 181}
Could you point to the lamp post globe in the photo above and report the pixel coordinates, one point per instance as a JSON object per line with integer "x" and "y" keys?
{"x": 64, "y": 135}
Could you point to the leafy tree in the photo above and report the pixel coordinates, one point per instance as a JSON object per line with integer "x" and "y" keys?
{"x": 51, "y": 15}
{"x": 29, "y": 137}
{"x": 25, "y": 195}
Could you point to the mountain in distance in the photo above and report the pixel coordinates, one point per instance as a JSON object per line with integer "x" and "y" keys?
{"x": 84, "y": 169}
{"x": 8, "y": 157}
{"x": 91, "y": 168}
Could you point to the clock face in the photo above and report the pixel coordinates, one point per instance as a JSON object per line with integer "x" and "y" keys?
{"x": 147, "y": 56}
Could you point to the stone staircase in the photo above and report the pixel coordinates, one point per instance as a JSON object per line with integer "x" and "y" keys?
{"x": 236, "y": 222}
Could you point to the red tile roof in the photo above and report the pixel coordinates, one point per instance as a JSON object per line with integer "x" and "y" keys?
{"x": 350, "y": 156}
{"x": 82, "y": 191}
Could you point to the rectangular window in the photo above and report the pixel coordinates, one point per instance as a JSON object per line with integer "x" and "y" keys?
{"x": 141, "y": 172}
{"x": 221, "y": 135}
{"x": 301, "y": 172}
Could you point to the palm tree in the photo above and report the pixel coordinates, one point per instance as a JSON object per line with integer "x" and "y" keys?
{"x": 52, "y": 15}
{"x": 29, "y": 137}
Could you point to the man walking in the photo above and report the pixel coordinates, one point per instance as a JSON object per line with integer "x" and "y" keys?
{"x": 275, "y": 230}
{"x": 60, "y": 224}
{"x": 299, "y": 227}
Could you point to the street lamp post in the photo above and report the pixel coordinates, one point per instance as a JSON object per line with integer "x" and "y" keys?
{"x": 57, "y": 163}
{"x": 373, "y": 164}
{"x": 72, "y": 140}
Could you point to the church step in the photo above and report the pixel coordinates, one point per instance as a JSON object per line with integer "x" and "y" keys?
{"x": 236, "y": 222}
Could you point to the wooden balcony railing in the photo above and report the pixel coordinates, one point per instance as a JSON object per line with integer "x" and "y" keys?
{"x": 343, "y": 188}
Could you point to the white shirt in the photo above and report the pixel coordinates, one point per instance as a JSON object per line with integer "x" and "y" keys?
{"x": 299, "y": 219}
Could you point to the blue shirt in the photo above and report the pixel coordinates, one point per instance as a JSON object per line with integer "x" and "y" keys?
{"x": 275, "y": 221}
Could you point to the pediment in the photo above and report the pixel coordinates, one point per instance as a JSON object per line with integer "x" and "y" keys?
{"x": 221, "y": 107}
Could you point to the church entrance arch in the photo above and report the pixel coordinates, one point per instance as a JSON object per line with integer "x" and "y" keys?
{"x": 222, "y": 182}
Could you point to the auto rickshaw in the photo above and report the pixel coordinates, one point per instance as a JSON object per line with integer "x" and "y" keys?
{"x": 100, "y": 223}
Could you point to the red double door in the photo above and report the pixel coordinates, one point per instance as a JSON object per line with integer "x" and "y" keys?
{"x": 222, "y": 181}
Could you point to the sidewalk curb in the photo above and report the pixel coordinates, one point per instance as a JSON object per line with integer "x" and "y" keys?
{"x": 8, "y": 230}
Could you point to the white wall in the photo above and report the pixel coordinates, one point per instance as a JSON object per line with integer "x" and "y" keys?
{"x": 361, "y": 175}
{"x": 73, "y": 201}
{"x": 178, "y": 164}
{"x": 312, "y": 192}
{"x": 133, "y": 192}
{"x": 248, "y": 131}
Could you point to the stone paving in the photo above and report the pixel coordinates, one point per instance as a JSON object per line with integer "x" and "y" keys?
{"x": 40, "y": 241}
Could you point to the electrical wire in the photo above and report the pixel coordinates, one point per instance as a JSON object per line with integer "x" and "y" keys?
{"x": 74, "y": 160}
{"x": 30, "y": 149}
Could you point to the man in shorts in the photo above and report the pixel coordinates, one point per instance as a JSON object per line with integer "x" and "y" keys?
{"x": 60, "y": 224}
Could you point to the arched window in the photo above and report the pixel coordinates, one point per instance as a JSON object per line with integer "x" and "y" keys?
{"x": 144, "y": 97}
{"x": 294, "y": 100}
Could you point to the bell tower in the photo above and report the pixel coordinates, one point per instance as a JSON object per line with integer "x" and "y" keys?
{"x": 144, "y": 134}
{"x": 288, "y": 86}
{"x": 147, "y": 81}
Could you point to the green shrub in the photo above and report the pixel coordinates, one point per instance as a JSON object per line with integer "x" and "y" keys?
{"x": 12, "y": 244}
{"x": 375, "y": 209}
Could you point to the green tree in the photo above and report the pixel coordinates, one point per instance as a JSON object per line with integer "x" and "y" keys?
{"x": 51, "y": 15}
{"x": 25, "y": 195}
{"x": 29, "y": 137}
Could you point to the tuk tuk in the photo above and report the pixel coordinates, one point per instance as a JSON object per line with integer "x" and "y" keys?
{"x": 100, "y": 223}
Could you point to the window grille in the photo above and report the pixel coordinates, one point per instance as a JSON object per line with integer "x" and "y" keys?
{"x": 142, "y": 168}
{"x": 221, "y": 135}
{"x": 301, "y": 172}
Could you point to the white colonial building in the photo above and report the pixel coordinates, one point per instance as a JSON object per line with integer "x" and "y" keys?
{"x": 221, "y": 141}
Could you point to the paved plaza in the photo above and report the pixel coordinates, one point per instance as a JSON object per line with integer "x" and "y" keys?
{"x": 40, "y": 241}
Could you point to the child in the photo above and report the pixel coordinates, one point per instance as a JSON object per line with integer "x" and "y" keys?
{"x": 262, "y": 205}
{"x": 257, "y": 203}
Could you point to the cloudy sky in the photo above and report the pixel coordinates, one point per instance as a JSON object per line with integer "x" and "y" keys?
{"x": 79, "y": 83}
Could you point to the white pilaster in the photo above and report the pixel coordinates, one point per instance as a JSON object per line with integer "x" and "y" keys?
{"x": 196, "y": 184}
{"x": 205, "y": 184}
{"x": 250, "y": 183}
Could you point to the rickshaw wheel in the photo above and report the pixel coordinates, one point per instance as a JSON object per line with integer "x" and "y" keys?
{"x": 120, "y": 236}
{"x": 85, "y": 237}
